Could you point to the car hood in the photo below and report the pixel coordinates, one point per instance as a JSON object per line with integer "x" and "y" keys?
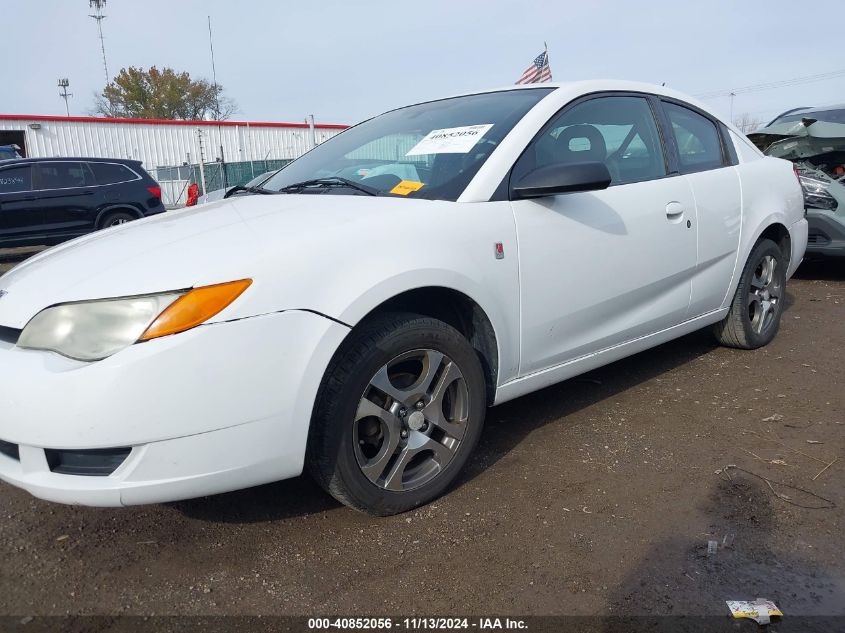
{"x": 246, "y": 237}
{"x": 799, "y": 139}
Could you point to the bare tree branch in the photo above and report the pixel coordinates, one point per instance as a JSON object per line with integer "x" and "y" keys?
{"x": 747, "y": 123}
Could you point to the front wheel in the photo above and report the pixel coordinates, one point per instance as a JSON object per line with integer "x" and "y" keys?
{"x": 398, "y": 414}
{"x": 754, "y": 316}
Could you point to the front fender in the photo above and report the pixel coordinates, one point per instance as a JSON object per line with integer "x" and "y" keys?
{"x": 390, "y": 287}
{"x": 347, "y": 268}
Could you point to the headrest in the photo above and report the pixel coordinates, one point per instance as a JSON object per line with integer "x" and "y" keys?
{"x": 596, "y": 152}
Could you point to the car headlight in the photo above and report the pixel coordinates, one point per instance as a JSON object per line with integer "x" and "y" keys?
{"x": 815, "y": 192}
{"x": 94, "y": 330}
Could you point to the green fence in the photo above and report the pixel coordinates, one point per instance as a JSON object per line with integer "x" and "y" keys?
{"x": 175, "y": 179}
{"x": 242, "y": 173}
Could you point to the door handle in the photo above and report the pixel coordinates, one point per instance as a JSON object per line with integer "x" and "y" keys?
{"x": 675, "y": 211}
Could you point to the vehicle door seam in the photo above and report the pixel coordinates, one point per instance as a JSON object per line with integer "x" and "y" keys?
{"x": 607, "y": 349}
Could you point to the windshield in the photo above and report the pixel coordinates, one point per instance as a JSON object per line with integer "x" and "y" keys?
{"x": 827, "y": 116}
{"x": 259, "y": 179}
{"x": 431, "y": 150}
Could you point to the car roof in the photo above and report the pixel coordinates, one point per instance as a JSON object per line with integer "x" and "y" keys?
{"x": 589, "y": 85}
{"x": 806, "y": 110}
{"x": 578, "y": 88}
{"x": 839, "y": 106}
{"x": 83, "y": 159}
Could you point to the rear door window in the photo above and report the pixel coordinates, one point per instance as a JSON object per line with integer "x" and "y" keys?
{"x": 111, "y": 173}
{"x": 63, "y": 175}
{"x": 697, "y": 138}
{"x": 14, "y": 179}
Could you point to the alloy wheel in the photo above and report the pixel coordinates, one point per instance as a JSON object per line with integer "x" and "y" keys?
{"x": 764, "y": 294}
{"x": 411, "y": 420}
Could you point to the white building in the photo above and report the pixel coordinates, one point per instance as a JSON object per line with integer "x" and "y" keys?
{"x": 163, "y": 143}
{"x": 159, "y": 143}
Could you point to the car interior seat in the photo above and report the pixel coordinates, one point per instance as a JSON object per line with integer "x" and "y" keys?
{"x": 561, "y": 149}
{"x": 563, "y": 145}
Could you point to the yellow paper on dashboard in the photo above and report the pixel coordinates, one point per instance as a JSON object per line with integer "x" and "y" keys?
{"x": 406, "y": 186}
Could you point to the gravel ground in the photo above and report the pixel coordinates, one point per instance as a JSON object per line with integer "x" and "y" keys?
{"x": 596, "y": 496}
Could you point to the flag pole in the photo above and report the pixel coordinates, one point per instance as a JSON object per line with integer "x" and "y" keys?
{"x": 548, "y": 63}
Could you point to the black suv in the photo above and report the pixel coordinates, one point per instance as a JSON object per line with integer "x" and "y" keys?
{"x": 50, "y": 200}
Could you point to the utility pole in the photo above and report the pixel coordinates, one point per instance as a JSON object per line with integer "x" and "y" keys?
{"x": 733, "y": 94}
{"x": 202, "y": 160}
{"x": 98, "y": 5}
{"x": 64, "y": 94}
{"x": 214, "y": 74}
{"x": 251, "y": 154}
{"x": 310, "y": 121}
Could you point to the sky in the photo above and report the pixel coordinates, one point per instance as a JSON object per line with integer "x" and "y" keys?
{"x": 344, "y": 61}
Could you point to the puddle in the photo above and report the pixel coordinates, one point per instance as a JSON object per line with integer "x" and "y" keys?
{"x": 801, "y": 591}
{"x": 678, "y": 576}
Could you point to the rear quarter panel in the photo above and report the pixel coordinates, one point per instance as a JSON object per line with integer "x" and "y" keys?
{"x": 770, "y": 195}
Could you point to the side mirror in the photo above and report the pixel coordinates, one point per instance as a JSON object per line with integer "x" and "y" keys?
{"x": 562, "y": 178}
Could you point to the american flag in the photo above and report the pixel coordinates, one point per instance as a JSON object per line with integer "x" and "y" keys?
{"x": 538, "y": 72}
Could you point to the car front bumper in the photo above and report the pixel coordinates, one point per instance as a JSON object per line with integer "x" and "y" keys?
{"x": 222, "y": 407}
{"x": 826, "y": 233}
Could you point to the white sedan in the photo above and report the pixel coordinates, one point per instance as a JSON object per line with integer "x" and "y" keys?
{"x": 359, "y": 313}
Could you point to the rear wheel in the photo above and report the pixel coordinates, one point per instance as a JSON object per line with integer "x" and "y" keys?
{"x": 756, "y": 309}
{"x": 398, "y": 414}
{"x": 116, "y": 218}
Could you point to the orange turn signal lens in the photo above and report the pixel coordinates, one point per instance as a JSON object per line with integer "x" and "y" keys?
{"x": 195, "y": 307}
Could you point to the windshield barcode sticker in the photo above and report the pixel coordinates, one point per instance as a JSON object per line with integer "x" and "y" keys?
{"x": 450, "y": 140}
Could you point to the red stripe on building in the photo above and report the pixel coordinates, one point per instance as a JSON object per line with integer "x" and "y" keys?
{"x": 92, "y": 119}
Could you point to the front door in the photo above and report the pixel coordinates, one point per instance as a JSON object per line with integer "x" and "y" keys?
{"x": 20, "y": 214}
{"x": 601, "y": 268}
{"x": 67, "y": 193}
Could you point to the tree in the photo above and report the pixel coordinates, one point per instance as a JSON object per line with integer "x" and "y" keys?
{"x": 747, "y": 123}
{"x": 163, "y": 94}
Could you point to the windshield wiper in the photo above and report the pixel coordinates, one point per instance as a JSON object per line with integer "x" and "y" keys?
{"x": 240, "y": 188}
{"x": 329, "y": 181}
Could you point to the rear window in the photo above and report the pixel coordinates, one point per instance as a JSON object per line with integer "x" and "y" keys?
{"x": 699, "y": 146}
{"x": 110, "y": 173}
{"x": 827, "y": 116}
{"x": 15, "y": 179}
{"x": 63, "y": 175}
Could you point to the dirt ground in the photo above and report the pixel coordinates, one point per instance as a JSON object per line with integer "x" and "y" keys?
{"x": 596, "y": 496}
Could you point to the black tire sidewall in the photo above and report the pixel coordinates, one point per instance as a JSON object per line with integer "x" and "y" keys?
{"x": 110, "y": 217}
{"x": 763, "y": 248}
{"x": 359, "y": 365}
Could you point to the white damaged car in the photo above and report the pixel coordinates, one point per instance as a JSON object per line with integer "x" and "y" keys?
{"x": 358, "y": 313}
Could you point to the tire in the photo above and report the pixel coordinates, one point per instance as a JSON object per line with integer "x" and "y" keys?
{"x": 757, "y": 306}
{"x": 115, "y": 218}
{"x": 377, "y": 442}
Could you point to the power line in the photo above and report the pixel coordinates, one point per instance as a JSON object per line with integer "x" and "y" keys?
{"x": 795, "y": 81}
